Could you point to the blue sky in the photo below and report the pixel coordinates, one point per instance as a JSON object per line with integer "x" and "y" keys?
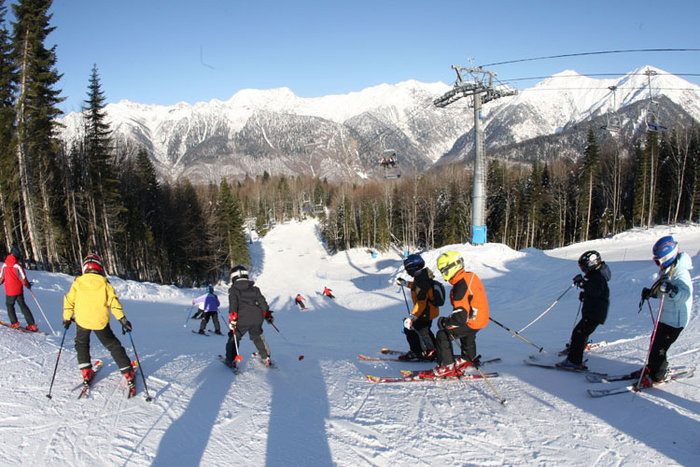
{"x": 163, "y": 52}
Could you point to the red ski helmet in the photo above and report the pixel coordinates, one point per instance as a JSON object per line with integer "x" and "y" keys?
{"x": 92, "y": 262}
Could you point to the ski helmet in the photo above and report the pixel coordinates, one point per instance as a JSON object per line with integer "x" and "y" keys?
{"x": 449, "y": 263}
{"x": 210, "y": 289}
{"x": 238, "y": 272}
{"x": 413, "y": 264}
{"x": 92, "y": 262}
{"x": 665, "y": 251}
{"x": 14, "y": 251}
{"x": 590, "y": 261}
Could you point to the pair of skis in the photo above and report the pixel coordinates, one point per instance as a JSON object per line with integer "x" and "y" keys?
{"x": 412, "y": 376}
{"x": 597, "y": 377}
{"x": 86, "y": 385}
{"x": 23, "y": 330}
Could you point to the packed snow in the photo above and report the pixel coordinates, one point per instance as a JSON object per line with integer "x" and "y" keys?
{"x": 320, "y": 410}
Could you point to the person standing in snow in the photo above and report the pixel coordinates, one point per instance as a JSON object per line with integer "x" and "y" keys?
{"x": 247, "y": 309}
{"x": 470, "y": 313}
{"x": 595, "y": 299}
{"x": 15, "y": 279}
{"x": 675, "y": 287}
{"x": 327, "y": 292}
{"x": 89, "y": 301}
{"x": 420, "y": 319}
{"x": 210, "y": 303}
{"x": 299, "y": 300}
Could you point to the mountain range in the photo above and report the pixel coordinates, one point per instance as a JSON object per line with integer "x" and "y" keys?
{"x": 343, "y": 137}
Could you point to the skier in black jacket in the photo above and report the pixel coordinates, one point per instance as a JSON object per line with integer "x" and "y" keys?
{"x": 247, "y": 309}
{"x": 595, "y": 298}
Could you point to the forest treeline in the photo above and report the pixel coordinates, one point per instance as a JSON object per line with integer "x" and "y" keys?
{"x": 62, "y": 200}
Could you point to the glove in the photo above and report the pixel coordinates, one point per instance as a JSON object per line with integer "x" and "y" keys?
{"x": 66, "y": 323}
{"x": 268, "y": 317}
{"x": 126, "y": 325}
{"x": 667, "y": 287}
{"x": 581, "y": 296}
{"x": 408, "y": 322}
{"x": 192, "y": 302}
{"x": 29, "y": 285}
{"x": 233, "y": 320}
{"x": 402, "y": 282}
{"x": 442, "y": 323}
{"x": 646, "y": 293}
{"x": 579, "y": 281}
{"x": 472, "y": 314}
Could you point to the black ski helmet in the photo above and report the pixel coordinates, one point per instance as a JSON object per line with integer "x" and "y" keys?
{"x": 413, "y": 264}
{"x": 238, "y": 272}
{"x": 14, "y": 251}
{"x": 590, "y": 261}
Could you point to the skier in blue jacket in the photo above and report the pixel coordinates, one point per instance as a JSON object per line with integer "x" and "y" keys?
{"x": 211, "y": 310}
{"x": 676, "y": 288}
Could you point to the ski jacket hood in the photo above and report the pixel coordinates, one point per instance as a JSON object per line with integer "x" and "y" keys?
{"x": 677, "y": 308}
{"x": 89, "y": 300}
{"x": 13, "y": 276}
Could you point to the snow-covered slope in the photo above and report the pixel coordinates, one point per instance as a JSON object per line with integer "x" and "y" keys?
{"x": 320, "y": 410}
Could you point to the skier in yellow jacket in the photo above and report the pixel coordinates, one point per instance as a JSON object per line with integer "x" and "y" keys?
{"x": 88, "y": 303}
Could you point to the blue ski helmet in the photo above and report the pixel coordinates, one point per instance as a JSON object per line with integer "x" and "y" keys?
{"x": 665, "y": 251}
{"x": 413, "y": 264}
{"x": 210, "y": 289}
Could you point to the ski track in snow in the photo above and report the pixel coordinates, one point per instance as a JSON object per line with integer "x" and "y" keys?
{"x": 321, "y": 410}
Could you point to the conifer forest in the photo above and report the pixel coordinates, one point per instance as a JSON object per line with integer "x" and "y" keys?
{"x": 60, "y": 201}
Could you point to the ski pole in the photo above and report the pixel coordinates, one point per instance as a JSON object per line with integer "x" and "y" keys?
{"x": 189, "y": 312}
{"x": 516, "y": 334}
{"x": 138, "y": 363}
{"x": 238, "y": 357}
{"x": 60, "y": 349}
{"x": 651, "y": 343}
{"x": 483, "y": 376}
{"x": 548, "y": 309}
{"x": 53, "y": 332}
{"x": 577, "y": 313}
{"x": 651, "y": 312}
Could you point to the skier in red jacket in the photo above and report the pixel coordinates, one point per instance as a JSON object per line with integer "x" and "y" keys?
{"x": 13, "y": 276}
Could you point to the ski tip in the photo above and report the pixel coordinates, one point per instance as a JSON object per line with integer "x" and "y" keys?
{"x": 406, "y": 372}
{"x": 373, "y": 379}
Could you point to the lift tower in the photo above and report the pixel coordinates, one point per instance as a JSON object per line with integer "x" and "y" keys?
{"x": 483, "y": 91}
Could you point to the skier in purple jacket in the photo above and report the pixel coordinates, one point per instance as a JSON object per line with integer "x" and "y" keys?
{"x": 211, "y": 310}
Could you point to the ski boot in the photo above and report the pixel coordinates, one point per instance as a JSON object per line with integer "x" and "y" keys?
{"x": 411, "y": 356}
{"x": 14, "y": 326}
{"x": 447, "y": 370}
{"x": 130, "y": 382}
{"x": 32, "y": 328}
{"x": 88, "y": 374}
{"x": 568, "y": 365}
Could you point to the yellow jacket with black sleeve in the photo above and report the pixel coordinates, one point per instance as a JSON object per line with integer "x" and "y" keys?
{"x": 89, "y": 300}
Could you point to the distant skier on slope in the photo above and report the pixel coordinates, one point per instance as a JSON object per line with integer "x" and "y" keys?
{"x": 89, "y": 301}
{"x": 14, "y": 278}
{"x": 211, "y": 310}
{"x": 595, "y": 298}
{"x": 247, "y": 309}
{"x": 424, "y": 311}
{"x": 470, "y": 313}
{"x": 676, "y": 287}
{"x": 299, "y": 300}
{"x": 328, "y": 292}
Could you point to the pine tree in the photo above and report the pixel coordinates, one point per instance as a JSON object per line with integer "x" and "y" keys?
{"x": 231, "y": 221}
{"x": 35, "y": 114}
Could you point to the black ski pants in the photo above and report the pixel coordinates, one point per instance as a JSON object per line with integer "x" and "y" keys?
{"x": 467, "y": 344}
{"x": 10, "y": 302}
{"x": 665, "y": 336}
{"x": 256, "y": 335}
{"x": 108, "y": 339}
{"x": 423, "y": 343}
{"x": 214, "y": 315}
{"x": 579, "y": 337}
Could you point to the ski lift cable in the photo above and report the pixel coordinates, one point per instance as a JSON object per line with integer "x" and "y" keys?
{"x": 581, "y": 54}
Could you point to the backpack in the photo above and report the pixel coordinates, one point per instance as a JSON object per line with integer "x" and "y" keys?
{"x": 438, "y": 293}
